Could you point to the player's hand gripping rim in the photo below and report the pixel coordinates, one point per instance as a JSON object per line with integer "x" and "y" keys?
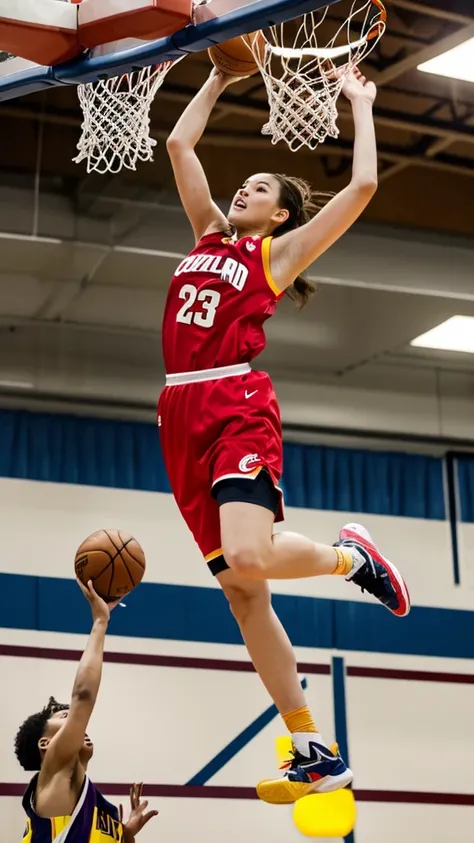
{"x": 355, "y": 85}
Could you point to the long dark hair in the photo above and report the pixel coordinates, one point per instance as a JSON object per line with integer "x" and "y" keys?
{"x": 302, "y": 204}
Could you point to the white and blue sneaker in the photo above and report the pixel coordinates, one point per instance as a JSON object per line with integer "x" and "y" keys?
{"x": 322, "y": 770}
{"x": 372, "y": 572}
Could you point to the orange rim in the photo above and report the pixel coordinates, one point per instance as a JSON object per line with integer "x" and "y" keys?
{"x": 377, "y": 28}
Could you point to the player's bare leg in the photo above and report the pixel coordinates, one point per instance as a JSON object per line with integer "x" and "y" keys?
{"x": 252, "y": 550}
{"x": 263, "y": 633}
{"x": 315, "y": 767}
{"x": 254, "y": 554}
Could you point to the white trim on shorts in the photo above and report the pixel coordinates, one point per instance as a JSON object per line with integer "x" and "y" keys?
{"x": 208, "y": 374}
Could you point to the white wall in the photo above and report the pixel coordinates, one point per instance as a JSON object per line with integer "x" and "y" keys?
{"x": 403, "y": 736}
{"x": 466, "y": 556}
{"x": 64, "y": 514}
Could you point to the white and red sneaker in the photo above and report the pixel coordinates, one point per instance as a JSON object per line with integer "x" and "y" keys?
{"x": 372, "y": 572}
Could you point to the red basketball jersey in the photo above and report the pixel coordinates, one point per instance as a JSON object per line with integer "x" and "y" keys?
{"x": 217, "y": 303}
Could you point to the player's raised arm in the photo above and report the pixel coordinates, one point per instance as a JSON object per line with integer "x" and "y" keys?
{"x": 293, "y": 252}
{"x": 191, "y": 181}
{"x": 64, "y": 747}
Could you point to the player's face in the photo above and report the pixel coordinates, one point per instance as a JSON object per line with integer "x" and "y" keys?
{"x": 255, "y": 207}
{"x": 57, "y": 722}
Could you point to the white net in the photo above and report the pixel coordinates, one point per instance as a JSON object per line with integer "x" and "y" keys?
{"x": 303, "y": 79}
{"x": 116, "y": 126}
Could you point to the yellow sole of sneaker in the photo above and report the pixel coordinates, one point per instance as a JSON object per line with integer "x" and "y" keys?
{"x": 282, "y": 792}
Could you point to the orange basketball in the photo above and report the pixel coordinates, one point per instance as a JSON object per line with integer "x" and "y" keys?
{"x": 113, "y": 560}
{"x": 235, "y": 57}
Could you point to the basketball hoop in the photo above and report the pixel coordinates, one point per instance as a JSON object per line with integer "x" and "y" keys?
{"x": 304, "y": 79}
{"x": 116, "y": 126}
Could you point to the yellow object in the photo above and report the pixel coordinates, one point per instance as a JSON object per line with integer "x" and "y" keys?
{"x": 283, "y": 792}
{"x": 326, "y": 814}
{"x": 284, "y": 751}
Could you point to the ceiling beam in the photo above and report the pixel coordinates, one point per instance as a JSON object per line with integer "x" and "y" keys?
{"x": 393, "y": 170}
{"x": 443, "y": 144}
{"x": 413, "y": 123}
{"x": 229, "y": 140}
{"x": 446, "y": 138}
{"x": 383, "y": 117}
{"x": 410, "y": 62}
{"x": 432, "y": 11}
{"x": 438, "y": 146}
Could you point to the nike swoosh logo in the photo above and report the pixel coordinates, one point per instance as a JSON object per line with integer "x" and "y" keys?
{"x": 249, "y": 394}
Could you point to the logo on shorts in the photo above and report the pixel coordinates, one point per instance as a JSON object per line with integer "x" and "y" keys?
{"x": 248, "y": 463}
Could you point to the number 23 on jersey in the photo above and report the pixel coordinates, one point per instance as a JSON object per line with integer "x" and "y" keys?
{"x": 208, "y": 304}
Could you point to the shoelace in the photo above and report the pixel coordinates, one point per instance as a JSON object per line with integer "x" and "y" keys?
{"x": 375, "y": 584}
{"x": 297, "y": 758}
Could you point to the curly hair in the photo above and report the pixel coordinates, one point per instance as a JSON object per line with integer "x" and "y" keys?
{"x": 302, "y": 204}
{"x": 31, "y": 732}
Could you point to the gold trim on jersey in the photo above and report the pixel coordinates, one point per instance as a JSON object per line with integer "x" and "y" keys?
{"x": 266, "y": 243}
{"x": 213, "y": 555}
{"x": 104, "y": 826}
{"x": 59, "y": 824}
{"x": 28, "y": 833}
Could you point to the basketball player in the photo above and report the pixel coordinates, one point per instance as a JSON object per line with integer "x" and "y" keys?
{"x": 219, "y": 419}
{"x": 61, "y": 803}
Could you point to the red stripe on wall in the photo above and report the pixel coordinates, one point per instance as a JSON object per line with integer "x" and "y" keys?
{"x": 411, "y": 675}
{"x": 149, "y": 659}
{"x": 215, "y": 792}
{"x": 414, "y": 797}
{"x": 235, "y": 665}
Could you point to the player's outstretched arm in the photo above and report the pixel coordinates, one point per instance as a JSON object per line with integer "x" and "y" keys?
{"x": 292, "y": 253}
{"x": 65, "y": 746}
{"x": 203, "y": 213}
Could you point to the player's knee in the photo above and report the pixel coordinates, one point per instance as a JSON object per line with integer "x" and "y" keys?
{"x": 248, "y": 561}
{"x": 246, "y": 598}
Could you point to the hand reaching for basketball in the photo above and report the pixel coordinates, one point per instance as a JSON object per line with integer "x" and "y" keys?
{"x": 224, "y": 79}
{"x": 100, "y": 609}
{"x": 137, "y": 818}
{"x": 356, "y": 87}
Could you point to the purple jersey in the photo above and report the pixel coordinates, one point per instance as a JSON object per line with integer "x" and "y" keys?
{"x": 94, "y": 819}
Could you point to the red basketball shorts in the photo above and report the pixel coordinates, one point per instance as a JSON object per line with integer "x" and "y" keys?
{"x": 213, "y": 430}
